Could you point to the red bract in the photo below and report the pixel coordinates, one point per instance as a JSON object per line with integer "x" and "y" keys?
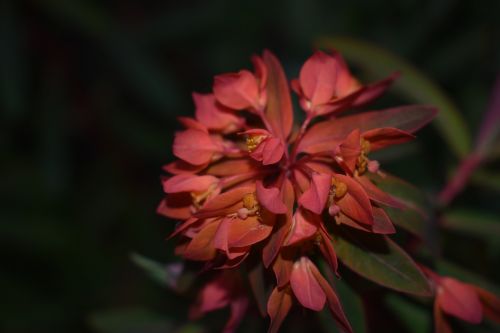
{"x": 248, "y": 186}
{"x": 461, "y": 300}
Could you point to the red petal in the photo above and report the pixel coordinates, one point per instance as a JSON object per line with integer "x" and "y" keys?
{"x": 279, "y": 112}
{"x": 304, "y": 225}
{"x": 232, "y": 167}
{"x": 440, "y": 323}
{"x": 381, "y": 222}
{"x": 315, "y": 197}
{"x": 377, "y": 195}
{"x": 281, "y": 226}
{"x": 348, "y": 151}
{"x": 214, "y": 295}
{"x": 201, "y": 246}
{"x": 247, "y": 232}
{"x": 278, "y": 306}
{"x": 273, "y": 151}
{"x": 188, "y": 183}
{"x": 374, "y": 90}
{"x": 237, "y": 90}
{"x": 213, "y": 115}
{"x": 227, "y": 199}
{"x": 270, "y": 198}
{"x": 333, "y": 300}
{"x": 282, "y": 266}
{"x": 305, "y": 286}
{"x": 176, "y": 206}
{"x": 328, "y": 252}
{"x": 194, "y": 146}
{"x": 387, "y": 136}
{"x": 318, "y": 78}
{"x": 355, "y": 203}
{"x": 239, "y": 307}
{"x": 490, "y": 302}
{"x": 460, "y": 300}
{"x": 179, "y": 166}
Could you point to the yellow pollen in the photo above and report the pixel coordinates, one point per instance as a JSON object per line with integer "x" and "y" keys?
{"x": 250, "y": 201}
{"x": 365, "y": 146}
{"x": 339, "y": 188}
{"x": 253, "y": 141}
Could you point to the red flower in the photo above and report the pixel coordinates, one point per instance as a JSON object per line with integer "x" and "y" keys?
{"x": 461, "y": 300}
{"x": 247, "y": 185}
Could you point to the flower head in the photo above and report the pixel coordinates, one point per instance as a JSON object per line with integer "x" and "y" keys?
{"x": 250, "y": 184}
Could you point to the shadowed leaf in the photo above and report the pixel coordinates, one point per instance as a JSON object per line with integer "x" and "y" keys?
{"x": 379, "y": 259}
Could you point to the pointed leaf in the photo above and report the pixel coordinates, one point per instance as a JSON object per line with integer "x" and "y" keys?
{"x": 379, "y": 259}
{"x": 460, "y": 300}
{"x": 413, "y": 84}
{"x": 305, "y": 286}
{"x": 278, "y": 306}
{"x": 406, "y": 118}
{"x": 279, "y": 105}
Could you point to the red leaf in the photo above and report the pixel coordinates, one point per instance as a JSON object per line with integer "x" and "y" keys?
{"x": 279, "y": 111}
{"x": 305, "y": 286}
{"x": 386, "y": 136}
{"x": 374, "y": 90}
{"x": 460, "y": 300}
{"x": 278, "y": 306}
{"x": 377, "y": 195}
{"x": 490, "y": 302}
{"x": 407, "y": 118}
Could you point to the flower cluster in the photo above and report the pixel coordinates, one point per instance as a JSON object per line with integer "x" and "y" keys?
{"x": 250, "y": 186}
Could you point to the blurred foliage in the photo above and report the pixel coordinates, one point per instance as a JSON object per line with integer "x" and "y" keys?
{"x": 89, "y": 91}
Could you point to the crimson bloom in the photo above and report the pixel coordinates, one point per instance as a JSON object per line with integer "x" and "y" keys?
{"x": 250, "y": 187}
{"x": 461, "y": 300}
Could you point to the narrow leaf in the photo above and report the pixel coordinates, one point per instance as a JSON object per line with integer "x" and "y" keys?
{"x": 413, "y": 84}
{"x": 279, "y": 104}
{"x": 278, "y": 306}
{"x": 379, "y": 259}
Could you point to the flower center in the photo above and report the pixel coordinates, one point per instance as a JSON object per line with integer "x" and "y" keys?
{"x": 253, "y": 141}
{"x": 250, "y": 206}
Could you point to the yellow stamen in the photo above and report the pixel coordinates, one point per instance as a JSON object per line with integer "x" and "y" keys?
{"x": 339, "y": 188}
{"x": 253, "y": 141}
{"x": 250, "y": 201}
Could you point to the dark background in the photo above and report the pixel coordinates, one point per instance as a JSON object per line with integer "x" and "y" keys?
{"x": 89, "y": 93}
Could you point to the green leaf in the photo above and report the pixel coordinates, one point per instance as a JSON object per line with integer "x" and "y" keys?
{"x": 487, "y": 179}
{"x": 415, "y": 216}
{"x": 415, "y": 318}
{"x": 379, "y": 259}
{"x": 413, "y": 85}
{"x": 165, "y": 275}
{"x": 353, "y": 306}
{"x": 475, "y": 223}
